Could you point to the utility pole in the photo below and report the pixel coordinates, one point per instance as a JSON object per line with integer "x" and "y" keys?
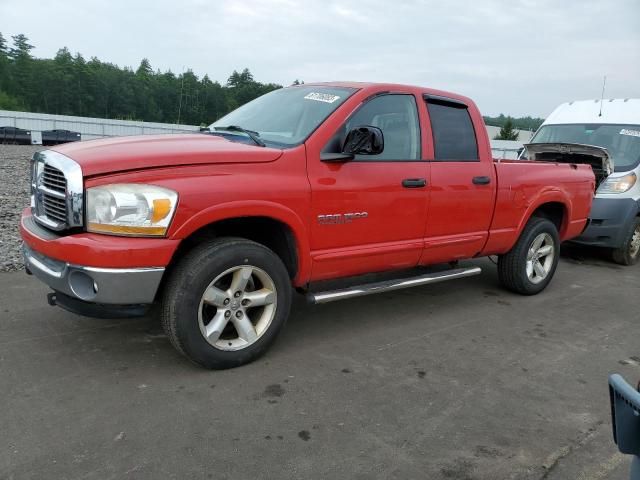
{"x": 180, "y": 101}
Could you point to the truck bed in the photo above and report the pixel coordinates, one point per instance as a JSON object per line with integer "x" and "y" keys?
{"x": 524, "y": 183}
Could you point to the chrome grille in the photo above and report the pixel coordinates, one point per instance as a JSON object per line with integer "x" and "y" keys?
{"x": 53, "y": 179}
{"x": 55, "y": 208}
{"x": 56, "y": 187}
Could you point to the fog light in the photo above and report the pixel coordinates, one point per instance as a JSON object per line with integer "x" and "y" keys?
{"x": 82, "y": 285}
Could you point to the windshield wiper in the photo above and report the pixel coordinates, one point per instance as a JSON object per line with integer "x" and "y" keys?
{"x": 255, "y": 136}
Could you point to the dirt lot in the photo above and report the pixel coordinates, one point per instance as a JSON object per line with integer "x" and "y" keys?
{"x": 459, "y": 380}
{"x": 14, "y": 196}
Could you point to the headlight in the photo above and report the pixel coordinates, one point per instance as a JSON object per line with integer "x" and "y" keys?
{"x": 130, "y": 209}
{"x": 618, "y": 184}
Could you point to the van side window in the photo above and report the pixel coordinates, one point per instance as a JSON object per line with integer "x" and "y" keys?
{"x": 454, "y": 138}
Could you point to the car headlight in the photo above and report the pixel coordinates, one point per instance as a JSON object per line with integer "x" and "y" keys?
{"x": 130, "y": 209}
{"x": 618, "y": 184}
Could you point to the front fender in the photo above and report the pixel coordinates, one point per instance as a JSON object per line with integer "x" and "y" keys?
{"x": 255, "y": 208}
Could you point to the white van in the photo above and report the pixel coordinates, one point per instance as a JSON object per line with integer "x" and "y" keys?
{"x": 605, "y": 134}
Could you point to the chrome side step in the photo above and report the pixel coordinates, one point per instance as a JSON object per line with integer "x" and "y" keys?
{"x": 389, "y": 285}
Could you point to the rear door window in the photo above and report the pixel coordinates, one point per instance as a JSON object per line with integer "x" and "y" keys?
{"x": 454, "y": 137}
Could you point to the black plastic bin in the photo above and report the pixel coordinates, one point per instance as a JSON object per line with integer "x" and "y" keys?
{"x": 625, "y": 420}
{"x": 15, "y": 136}
{"x": 56, "y": 137}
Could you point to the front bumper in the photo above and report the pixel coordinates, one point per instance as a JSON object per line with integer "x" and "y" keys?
{"x": 109, "y": 286}
{"x": 608, "y": 222}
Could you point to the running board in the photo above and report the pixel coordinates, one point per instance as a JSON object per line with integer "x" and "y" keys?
{"x": 389, "y": 285}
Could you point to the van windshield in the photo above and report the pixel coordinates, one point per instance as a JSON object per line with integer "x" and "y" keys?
{"x": 284, "y": 117}
{"x": 621, "y": 141}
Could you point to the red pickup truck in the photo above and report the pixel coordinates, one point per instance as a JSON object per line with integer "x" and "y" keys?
{"x": 304, "y": 184}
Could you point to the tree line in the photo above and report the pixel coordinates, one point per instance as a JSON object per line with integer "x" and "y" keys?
{"x": 522, "y": 123}
{"x": 71, "y": 85}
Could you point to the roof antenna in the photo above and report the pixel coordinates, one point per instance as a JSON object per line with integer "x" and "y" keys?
{"x": 604, "y": 82}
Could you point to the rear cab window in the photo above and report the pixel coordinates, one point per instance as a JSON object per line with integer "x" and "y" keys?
{"x": 454, "y": 138}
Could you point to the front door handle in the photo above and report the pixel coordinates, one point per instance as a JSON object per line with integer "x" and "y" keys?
{"x": 414, "y": 182}
{"x": 481, "y": 180}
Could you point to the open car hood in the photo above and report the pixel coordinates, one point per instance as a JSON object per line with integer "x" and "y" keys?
{"x": 597, "y": 157}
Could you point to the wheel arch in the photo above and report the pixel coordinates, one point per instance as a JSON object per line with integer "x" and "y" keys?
{"x": 554, "y": 207}
{"x": 556, "y": 212}
{"x": 270, "y": 224}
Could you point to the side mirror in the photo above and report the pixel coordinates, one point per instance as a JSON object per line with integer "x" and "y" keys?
{"x": 364, "y": 140}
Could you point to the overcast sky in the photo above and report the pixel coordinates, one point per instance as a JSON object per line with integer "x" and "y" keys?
{"x": 519, "y": 57}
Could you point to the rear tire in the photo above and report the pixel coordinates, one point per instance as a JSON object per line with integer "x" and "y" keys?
{"x": 629, "y": 252}
{"x": 530, "y": 265}
{"x": 225, "y": 302}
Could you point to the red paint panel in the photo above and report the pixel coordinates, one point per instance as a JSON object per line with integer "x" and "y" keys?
{"x": 391, "y": 234}
{"x": 524, "y": 186}
{"x": 460, "y": 212}
{"x": 210, "y": 193}
{"x": 156, "y": 151}
{"x": 106, "y": 251}
{"x": 393, "y": 214}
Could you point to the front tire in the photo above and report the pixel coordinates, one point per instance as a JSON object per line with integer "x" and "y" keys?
{"x": 530, "y": 265}
{"x": 225, "y": 302}
{"x": 629, "y": 253}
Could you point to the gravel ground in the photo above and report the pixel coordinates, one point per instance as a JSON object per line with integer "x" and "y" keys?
{"x": 14, "y": 196}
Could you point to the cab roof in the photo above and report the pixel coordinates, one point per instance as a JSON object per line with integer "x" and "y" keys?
{"x": 373, "y": 87}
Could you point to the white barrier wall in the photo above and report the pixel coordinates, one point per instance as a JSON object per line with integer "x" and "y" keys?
{"x": 88, "y": 127}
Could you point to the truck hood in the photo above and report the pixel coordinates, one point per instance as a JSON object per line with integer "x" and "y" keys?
{"x": 597, "y": 157}
{"x": 97, "y": 157}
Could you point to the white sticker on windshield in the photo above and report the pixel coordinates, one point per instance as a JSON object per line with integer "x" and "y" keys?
{"x": 321, "y": 97}
{"x": 633, "y": 133}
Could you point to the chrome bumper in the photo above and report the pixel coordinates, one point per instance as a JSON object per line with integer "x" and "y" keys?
{"x": 116, "y": 286}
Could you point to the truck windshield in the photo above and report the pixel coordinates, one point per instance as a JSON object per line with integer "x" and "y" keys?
{"x": 285, "y": 117}
{"x": 621, "y": 141}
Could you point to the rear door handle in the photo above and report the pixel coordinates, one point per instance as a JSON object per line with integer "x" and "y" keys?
{"x": 481, "y": 180}
{"x": 414, "y": 182}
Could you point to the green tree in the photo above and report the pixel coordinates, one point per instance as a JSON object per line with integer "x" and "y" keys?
{"x": 507, "y": 132}
{"x": 144, "y": 70}
{"x": 68, "y": 84}
{"x": 21, "y": 47}
{"x": 4, "y": 63}
{"x": 521, "y": 123}
{"x": 3, "y": 45}
{"x": 234, "y": 80}
{"x": 243, "y": 79}
{"x": 246, "y": 77}
{"x": 21, "y": 63}
{"x": 7, "y": 102}
{"x": 61, "y": 91}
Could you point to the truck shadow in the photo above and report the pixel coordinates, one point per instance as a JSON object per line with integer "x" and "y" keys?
{"x": 591, "y": 256}
{"x": 314, "y": 325}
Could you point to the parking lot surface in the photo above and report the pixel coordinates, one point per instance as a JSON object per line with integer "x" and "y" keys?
{"x": 459, "y": 380}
